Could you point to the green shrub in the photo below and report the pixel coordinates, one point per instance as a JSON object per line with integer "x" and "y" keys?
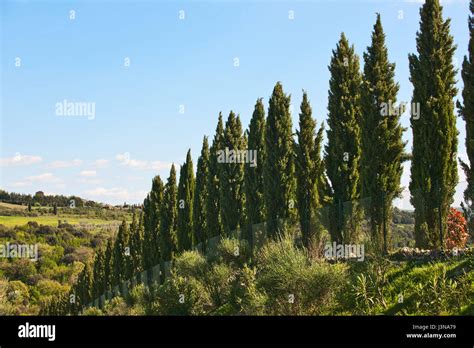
{"x": 294, "y": 284}
{"x": 190, "y": 264}
{"x": 182, "y": 296}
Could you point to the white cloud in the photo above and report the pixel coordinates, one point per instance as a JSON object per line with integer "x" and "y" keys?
{"x": 19, "y": 160}
{"x": 88, "y": 173}
{"x": 90, "y": 181}
{"x": 115, "y": 193}
{"x": 64, "y": 164}
{"x": 125, "y": 160}
{"x": 45, "y": 178}
{"x": 101, "y": 163}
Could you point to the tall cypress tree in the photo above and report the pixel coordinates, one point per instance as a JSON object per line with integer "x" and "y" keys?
{"x": 213, "y": 203}
{"x": 342, "y": 151}
{"x": 168, "y": 221}
{"x": 151, "y": 221}
{"x": 231, "y": 175}
{"x": 253, "y": 175}
{"x": 136, "y": 244}
{"x": 120, "y": 257}
{"x": 185, "y": 205}
{"x": 279, "y": 167}
{"x": 433, "y": 166}
{"x": 382, "y": 145}
{"x": 84, "y": 286}
{"x": 308, "y": 165}
{"x": 98, "y": 274}
{"x": 108, "y": 266}
{"x": 467, "y": 112}
{"x": 201, "y": 195}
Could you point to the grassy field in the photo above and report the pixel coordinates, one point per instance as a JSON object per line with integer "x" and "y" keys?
{"x": 13, "y": 206}
{"x": 51, "y": 220}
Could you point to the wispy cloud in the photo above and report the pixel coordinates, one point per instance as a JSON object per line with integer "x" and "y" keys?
{"x": 88, "y": 173}
{"x": 101, "y": 163}
{"x": 45, "y": 178}
{"x": 116, "y": 193}
{"x": 64, "y": 164}
{"x": 125, "y": 160}
{"x": 19, "y": 160}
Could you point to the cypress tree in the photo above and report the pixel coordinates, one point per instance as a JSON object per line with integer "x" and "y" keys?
{"x": 342, "y": 151}
{"x": 213, "y": 203}
{"x": 201, "y": 196}
{"x": 98, "y": 274}
{"x": 308, "y": 165}
{"x": 433, "y": 166}
{"x": 231, "y": 175}
{"x": 279, "y": 166}
{"x": 382, "y": 145}
{"x": 168, "y": 221}
{"x": 84, "y": 284}
{"x": 136, "y": 244}
{"x": 467, "y": 113}
{"x": 151, "y": 220}
{"x": 253, "y": 175}
{"x": 185, "y": 205}
{"x": 108, "y": 266}
{"x": 120, "y": 257}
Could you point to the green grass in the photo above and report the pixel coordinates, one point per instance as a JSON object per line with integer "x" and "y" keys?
{"x": 51, "y": 220}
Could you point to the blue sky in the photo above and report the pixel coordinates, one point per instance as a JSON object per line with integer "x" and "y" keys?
{"x": 176, "y": 64}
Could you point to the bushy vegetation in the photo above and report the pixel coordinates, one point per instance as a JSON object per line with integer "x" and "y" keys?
{"x": 282, "y": 280}
{"x": 25, "y": 284}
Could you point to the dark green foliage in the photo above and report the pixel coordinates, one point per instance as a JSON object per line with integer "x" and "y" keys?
{"x": 185, "y": 205}
{"x": 214, "y": 225}
{"x": 136, "y": 244}
{"x": 279, "y": 180}
{"x": 308, "y": 167}
{"x": 108, "y": 266}
{"x": 231, "y": 176}
{"x": 467, "y": 112}
{"x": 98, "y": 277}
{"x": 253, "y": 175}
{"x": 382, "y": 145}
{"x": 433, "y": 166}
{"x": 151, "y": 221}
{"x": 342, "y": 151}
{"x": 84, "y": 287}
{"x": 168, "y": 223}
{"x": 121, "y": 254}
{"x": 201, "y": 196}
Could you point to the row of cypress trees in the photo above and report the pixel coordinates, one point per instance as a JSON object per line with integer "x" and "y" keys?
{"x": 292, "y": 180}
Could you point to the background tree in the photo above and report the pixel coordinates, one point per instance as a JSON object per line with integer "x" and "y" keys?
{"x": 278, "y": 166}
{"x": 213, "y": 203}
{"x": 433, "y": 166}
{"x": 382, "y": 145}
{"x": 467, "y": 112}
{"x": 185, "y": 205}
{"x": 308, "y": 167}
{"x": 201, "y": 196}
{"x": 342, "y": 151}
{"x": 253, "y": 175}
{"x": 231, "y": 176}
